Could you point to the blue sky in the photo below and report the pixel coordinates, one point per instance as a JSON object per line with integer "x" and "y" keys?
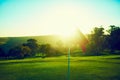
{"x": 43, "y": 17}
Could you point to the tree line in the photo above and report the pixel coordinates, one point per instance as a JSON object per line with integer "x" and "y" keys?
{"x": 30, "y": 49}
{"x": 98, "y": 44}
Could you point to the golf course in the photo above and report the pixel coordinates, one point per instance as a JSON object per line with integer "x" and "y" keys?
{"x": 59, "y": 39}
{"x": 56, "y": 68}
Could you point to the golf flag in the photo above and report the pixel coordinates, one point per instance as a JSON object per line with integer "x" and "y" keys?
{"x": 81, "y": 40}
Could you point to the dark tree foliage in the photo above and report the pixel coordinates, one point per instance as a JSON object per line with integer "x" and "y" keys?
{"x": 26, "y": 51}
{"x": 19, "y": 52}
{"x": 48, "y": 50}
{"x": 33, "y": 45}
{"x": 2, "y": 53}
{"x": 43, "y": 49}
{"x": 16, "y": 52}
{"x": 96, "y": 42}
{"x": 114, "y": 38}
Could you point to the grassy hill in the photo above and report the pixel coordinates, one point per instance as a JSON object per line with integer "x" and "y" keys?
{"x": 41, "y": 39}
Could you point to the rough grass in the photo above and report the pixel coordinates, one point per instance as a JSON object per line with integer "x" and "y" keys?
{"x": 55, "y": 68}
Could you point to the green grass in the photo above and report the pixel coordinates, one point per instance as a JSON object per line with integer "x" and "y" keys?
{"x": 55, "y": 68}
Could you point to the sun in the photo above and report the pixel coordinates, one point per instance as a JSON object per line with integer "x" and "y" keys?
{"x": 62, "y": 20}
{"x": 66, "y": 33}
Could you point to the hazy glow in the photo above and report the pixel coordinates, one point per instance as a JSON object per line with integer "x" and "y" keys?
{"x": 62, "y": 20}
{"x": 43, "y": 17}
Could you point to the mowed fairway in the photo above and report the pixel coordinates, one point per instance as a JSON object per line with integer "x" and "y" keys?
{"x": 55, "y": 68}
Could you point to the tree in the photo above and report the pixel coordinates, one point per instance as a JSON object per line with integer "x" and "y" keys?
{"x": 26, "y": 51}
{"x": 16, "y": 52}
{"x": 19, "y": 52}
{"x": 33, "y": 45}
{"x": 2, "y": 53}
{"x": 96, "y": 41}
{"x": 45, "y": 49}
{"x": 114, "y": 38}
{"x": 48, "y": 50}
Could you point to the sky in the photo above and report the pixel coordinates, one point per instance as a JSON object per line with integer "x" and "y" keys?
{"x": 46, "y": 17}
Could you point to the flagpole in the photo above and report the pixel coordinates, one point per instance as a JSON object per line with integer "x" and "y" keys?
{"x": 68, "y": 64}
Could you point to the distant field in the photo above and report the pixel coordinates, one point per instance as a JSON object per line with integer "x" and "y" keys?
{"x": 55, "y": 68}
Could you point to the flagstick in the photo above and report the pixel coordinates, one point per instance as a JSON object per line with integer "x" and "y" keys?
{"x": 69, "y": 64}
